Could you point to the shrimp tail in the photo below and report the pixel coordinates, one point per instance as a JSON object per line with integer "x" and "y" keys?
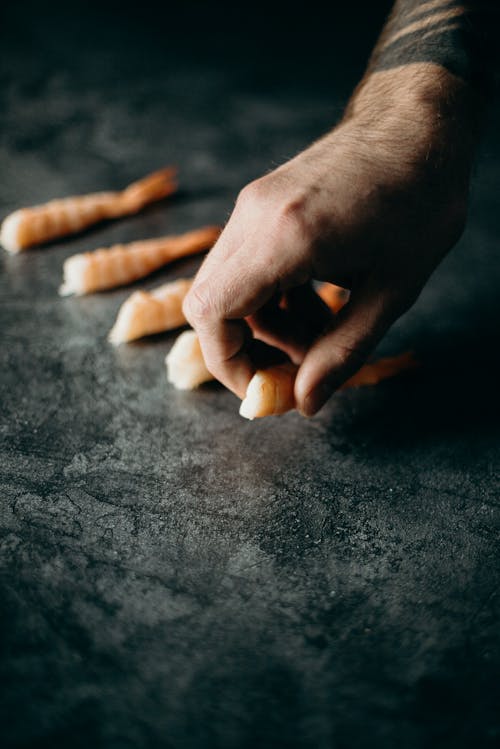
{"x": 381, "y": 369}
{"x": 147, "y": 190}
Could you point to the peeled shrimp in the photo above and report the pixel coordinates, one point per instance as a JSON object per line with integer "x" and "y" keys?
{"x": 58, "y": 218}
{"x": 124, "y": 263}
{"x": 147, "y": 312}
{"x": 270, "y": 392}
{"x": 185, "y": 364}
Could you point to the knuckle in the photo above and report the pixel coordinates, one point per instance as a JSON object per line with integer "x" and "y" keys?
{"x": 197, "y": 305}
{"x": 292, "y": 214}
{"x": 283, "y": 208}
{"x": 251, "y": 194}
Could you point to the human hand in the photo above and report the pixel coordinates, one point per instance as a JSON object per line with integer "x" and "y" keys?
{"x": 373, "y": 206}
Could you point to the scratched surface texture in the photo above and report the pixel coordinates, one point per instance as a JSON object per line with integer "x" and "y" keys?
{"x": 170, "y": 574}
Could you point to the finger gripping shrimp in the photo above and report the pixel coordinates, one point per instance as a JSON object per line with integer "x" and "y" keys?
{"x": 58, "y": 218}
{"x": 270, "y": 391}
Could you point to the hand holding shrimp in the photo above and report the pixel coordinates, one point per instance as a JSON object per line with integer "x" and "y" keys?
{"x": 270, "y": 391}
{"x": 59, "y": 218}
{"x": 374, "y": 206}
{"x": 186, "y": 368}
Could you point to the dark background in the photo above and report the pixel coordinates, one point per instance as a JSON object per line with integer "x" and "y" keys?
{"x": 170, "y": 574}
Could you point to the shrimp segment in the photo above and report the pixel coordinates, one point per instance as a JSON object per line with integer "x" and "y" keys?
{"x": 58, "y": 218}
{"x": 185, "y": 364}
{"x": 334, "y": 296}
{"x": 124, "y": 263}
{"x": 147, "y": 312}
{"x": 270, "y": 392}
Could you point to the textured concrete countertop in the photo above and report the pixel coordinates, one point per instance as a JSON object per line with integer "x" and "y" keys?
{"x": 170, "y": 574}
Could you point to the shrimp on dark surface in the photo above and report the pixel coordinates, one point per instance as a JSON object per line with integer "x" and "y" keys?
{"x": 40, "y": 224}
{"x": 148, "y": 312}
{"x": 121, "y": 264}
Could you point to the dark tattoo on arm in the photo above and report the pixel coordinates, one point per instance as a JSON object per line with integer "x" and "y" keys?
{"x": 463, "y": 36}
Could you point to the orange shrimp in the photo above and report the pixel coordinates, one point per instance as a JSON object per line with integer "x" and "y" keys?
{"x": 147, "y": 312}
{"x": 334, "y": 296}
{"x": 381, "y": 369}
{"x": 58, "y": 218}
{"x": 124, "y": 263}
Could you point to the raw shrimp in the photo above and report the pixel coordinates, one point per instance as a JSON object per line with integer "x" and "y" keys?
{"x": 58, "y": 218}
{"x": 124, "y": 263}
{"x": 147, "y": 312}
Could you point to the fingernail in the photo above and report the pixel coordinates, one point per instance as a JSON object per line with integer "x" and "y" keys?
{"x": 316, "y": 399}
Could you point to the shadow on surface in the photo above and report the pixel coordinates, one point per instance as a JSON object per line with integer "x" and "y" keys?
{"x": 455, "y": 392}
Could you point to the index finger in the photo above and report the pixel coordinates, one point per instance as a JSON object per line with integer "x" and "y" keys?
{"x": 226, "y": 245}
{"x": 216, "y": 306}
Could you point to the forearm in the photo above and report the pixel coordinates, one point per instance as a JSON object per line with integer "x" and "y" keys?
{"x": 441, "y": 55}
{"x": 461, "y": 36}
{"x": 428, "y": 81}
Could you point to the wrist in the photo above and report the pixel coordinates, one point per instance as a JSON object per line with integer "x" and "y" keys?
{"x": 425, "y": 96}
{"x": 420, "y": 114}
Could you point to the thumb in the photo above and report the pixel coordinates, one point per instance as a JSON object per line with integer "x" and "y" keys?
{"x": 342, "y": 349}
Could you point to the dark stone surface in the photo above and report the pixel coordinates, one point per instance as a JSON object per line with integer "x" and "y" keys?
{"x": 170, "y": 574}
